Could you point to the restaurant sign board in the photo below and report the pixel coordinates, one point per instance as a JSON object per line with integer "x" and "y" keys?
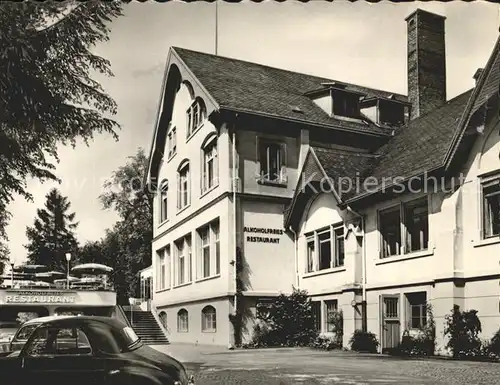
{"x": 42, "y": 297}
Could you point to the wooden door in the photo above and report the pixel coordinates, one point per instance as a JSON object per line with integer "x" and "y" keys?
{"x": 391, "y": 324}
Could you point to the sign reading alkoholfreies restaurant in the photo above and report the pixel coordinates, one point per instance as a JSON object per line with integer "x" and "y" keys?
{"x": 39, "y": 297}
{"x": 263, "y": 231}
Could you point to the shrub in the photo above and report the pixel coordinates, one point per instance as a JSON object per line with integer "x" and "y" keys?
{"x": 462, "y": 329}
{"x": 287, "y": 321}
{"x": 327, "y": 341}
{"x": 493, "y": 346}
{"x": 364, "y": 342}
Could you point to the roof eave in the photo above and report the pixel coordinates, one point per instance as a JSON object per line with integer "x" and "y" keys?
{"x": 300, "y": 121}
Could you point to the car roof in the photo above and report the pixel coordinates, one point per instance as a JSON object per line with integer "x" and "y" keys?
{"x": 72, "y": 320}
{"x": 44, "y": 319}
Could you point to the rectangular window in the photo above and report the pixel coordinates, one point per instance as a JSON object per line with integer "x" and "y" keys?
{"x": 189, "y": 258}
{"x": 195, "y": 116}
{"x": 161, "y": 270}
{"x": 271, "y": 159}
{"x": 325, "y": 249}
{"x": 205, "y": 251}
{"x": 163, "y": 203}
{"x": 491, "y": 208}
{"x": 416, "y": 217}
{"x": 346, "y": 104}
{"x": 168, "y": 267}
{"x": 390, "y": 231}
{"x": 404, "y": 228}
{"x": 183, "y": 197}
{"x": 181, "y": 262}
{"x": 331, "y": 313}
{"x": 172, "y": 142}
{"x": 417, "y": 310}
{"x": 316, "y": 311}
{"x": 215, "y": 232}
{"x": 209, "y": 166}
{"x": 209, "y": 250}
{"x": 311, "y": 252}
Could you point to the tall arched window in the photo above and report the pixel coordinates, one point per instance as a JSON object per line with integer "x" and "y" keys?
{"x": 163, "y": 319}
{"x": 196, "y": 115}
{"x": 183, "y": 195}
{"x": 182, "y": 321}
{"x": 209, "y": 163}
{"x": 208, "y": 319}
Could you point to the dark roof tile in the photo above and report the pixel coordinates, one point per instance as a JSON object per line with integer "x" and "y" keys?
{"x": 257, "y": 88}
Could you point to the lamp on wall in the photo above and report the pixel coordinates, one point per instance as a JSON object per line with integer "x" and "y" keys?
{"x": 68, "y": 259}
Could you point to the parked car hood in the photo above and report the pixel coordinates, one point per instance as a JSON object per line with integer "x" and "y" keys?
{"x": 163, "y": 361}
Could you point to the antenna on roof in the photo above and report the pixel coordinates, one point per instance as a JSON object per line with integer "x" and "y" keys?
{"x": 216, "y": 24}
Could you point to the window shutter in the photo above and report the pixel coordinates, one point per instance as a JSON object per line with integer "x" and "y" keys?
{"x": 178, "y": 191}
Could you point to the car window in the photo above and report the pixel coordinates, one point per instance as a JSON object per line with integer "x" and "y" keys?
{"x": 58, "y": 342}
{"x": 24, "y": 333}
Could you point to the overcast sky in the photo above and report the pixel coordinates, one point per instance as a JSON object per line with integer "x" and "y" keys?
{"x": 358, "y": 42}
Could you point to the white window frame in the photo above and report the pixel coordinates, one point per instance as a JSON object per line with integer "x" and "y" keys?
{"x": 183, "y": 257}
{"x": 209, "y": 319}
{"x": 331, "y": 307}
{"x": 211, "y": 267}
{"x": 184, "y": 185}
{"x": 262, "y": 174}
{"x": 337, "y": 260}
{"x": 487, "y": 230}
{"x": 172, "y": 142}
{"x": 163, "y": 272}
{"x": 409, "y": 309}
{"x": 210, "y": 154}
{"x": 196, "y": 114}
{"x": 163, "y": 203}
{"x": 404, "y": 235}
{"x": 182, "y": 323}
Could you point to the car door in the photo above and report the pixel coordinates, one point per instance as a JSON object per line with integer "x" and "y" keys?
{"x": 62, "y": 357}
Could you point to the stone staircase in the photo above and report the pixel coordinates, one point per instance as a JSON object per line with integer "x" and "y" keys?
{"x": 145, "y": 325}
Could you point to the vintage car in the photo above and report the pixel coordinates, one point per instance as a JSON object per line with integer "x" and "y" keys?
{"x": 103, "y": 351}
{"x": 24, "y": 331}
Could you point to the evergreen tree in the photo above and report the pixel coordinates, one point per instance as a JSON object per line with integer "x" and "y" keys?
{"x": 48, "y": 92}
{"x": 52, "y": 235}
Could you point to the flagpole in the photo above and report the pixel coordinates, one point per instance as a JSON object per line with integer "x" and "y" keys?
{"x": 216, "y": 24}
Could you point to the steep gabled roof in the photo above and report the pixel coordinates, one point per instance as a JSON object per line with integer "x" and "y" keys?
{"x": 254, "y": 88}
{"x": 326, "y": 170}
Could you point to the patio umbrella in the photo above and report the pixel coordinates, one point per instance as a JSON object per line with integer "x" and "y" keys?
{"x": 94, "y": 268}
{"x": 30, "y": 268}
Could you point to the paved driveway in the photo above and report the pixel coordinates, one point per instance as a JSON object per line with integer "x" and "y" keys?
{"x": 212, "y": 365}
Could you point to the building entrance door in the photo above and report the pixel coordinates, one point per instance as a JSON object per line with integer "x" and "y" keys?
{"x": 391, "y": 323}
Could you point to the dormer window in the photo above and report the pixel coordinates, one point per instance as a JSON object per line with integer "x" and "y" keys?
{"x": 337, "y": 101}
{"x": 196, "y": 115}
{"x": 345, "y": 104}
{"x": 386, "y": 111}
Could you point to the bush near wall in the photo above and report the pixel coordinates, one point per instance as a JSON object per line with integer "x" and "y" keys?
{"x": 420, "y": 342}
{"x": 364, "y": 342}
{"x": 287, "y": 321}
{"x": 332, "y": 339}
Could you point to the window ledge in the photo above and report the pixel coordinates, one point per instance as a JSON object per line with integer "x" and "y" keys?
{"x": 182, "y": 285}
{"x": 487, "y": 241}
{"x": 208, "y": 190}
{"x": 182, "y": 331}
{"x": 207, "y": 278}
{"x": 171, "y": 157}
{"x": 405, "y": 257}
{"x": 163, "y": 223}
{"x": 325, "y": 271}
{"x": 209, "y": 331}
{"x": 183, "y": 209}
{"x": 193, "y": 133}
{"x": 162, "y": 290}
{"x": 266, "y": 182}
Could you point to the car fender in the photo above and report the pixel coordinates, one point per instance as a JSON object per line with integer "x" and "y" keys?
{"x": 141, "y": 376}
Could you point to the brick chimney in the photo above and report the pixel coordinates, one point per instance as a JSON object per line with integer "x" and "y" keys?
{"x": 426, "y": 62}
